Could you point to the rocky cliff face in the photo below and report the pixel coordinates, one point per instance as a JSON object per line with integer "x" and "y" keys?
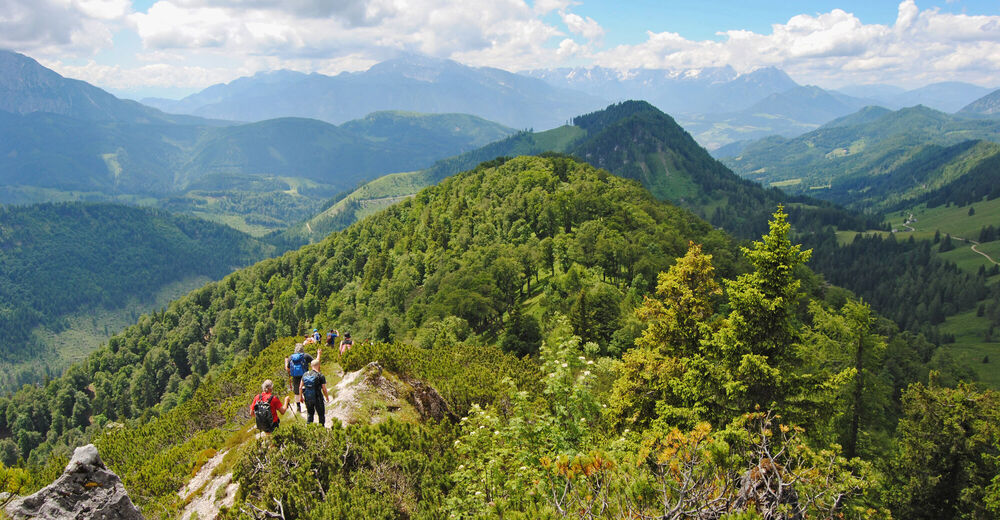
{"x": 87, "y": 489}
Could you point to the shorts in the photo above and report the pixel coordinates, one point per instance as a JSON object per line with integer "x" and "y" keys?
{"x": 295, "y": 384}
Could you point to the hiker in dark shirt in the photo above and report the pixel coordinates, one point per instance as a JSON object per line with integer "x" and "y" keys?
{"x": 296, "y": 365}
{"x": 313, "y": 383}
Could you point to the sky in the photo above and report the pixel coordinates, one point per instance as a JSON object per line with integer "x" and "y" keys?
{"x": 171, "y": 48}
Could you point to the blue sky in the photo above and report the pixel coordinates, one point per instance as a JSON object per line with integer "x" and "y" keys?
{"x": 175, "y": 47}
{"x": 627, "y": 21}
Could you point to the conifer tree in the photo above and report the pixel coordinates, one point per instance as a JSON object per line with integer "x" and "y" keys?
{"x": 756, "y": 343}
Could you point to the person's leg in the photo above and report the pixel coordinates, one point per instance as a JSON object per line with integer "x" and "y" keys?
{"x": 295, "y": 392}
{"x": 310, "y": 409}
{"x": 321, "y": 411}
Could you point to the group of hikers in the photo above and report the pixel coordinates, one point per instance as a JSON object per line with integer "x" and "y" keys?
{"x": 306, "y": 382}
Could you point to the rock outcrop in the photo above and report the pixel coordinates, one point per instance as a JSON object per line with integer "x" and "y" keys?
{"x": 87, "y": 489}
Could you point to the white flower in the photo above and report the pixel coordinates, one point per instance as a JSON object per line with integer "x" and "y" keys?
{"x": 581, "y": 358}
{"x": 564, "y": 365}
{"x": 586, "y": 372}
{"x": 461, "y": 466}
{"x": 496, "y": 432}
{"x": 590, "y": 361}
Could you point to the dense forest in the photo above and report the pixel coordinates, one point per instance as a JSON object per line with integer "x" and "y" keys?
{"x": 605, "y": 355}
{"x": 61, "y": 258}
{"x": 904, "y": 279}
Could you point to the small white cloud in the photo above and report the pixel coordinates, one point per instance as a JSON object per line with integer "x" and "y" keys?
{"x": 586, "y": 27}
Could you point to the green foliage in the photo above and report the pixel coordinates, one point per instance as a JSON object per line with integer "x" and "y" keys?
{"x": 391, "y": 470}
{"x": 947, "y": 462}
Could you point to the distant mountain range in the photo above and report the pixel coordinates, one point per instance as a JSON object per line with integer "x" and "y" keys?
{"x": 411, "y": 83}
{"x": 717, "y": 105}
{"x": 873, "y": 159}
{"x": 710, "y": 90}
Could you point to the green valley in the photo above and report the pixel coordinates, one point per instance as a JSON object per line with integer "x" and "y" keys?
{"x": 66, "y": 259}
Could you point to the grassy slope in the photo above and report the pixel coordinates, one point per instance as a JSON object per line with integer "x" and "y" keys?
{"x": 969, "y": 348}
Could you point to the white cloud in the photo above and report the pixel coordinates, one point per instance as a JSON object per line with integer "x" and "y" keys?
{"x": 75, "y": 27}
{"x": 586, "y": 27}
{"x": 836, "y": 48}
{"x": 200, "y": 40}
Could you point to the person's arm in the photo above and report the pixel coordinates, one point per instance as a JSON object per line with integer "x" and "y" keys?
{"x": 288, "y": 369}
{"x": 302, "y": 385}
{"x": 319, "y": 353}
{"x": 326, "y": 395}
{"x": 284, "y": 405}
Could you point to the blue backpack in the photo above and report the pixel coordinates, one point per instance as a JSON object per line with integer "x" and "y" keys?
{"x": 298, "y": 364}
{"x": 310, "y": 382}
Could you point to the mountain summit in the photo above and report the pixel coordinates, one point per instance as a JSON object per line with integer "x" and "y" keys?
{"x": 27, "y": 87}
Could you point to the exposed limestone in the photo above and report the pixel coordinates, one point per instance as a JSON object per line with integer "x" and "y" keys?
{"x": 86, "y": 489}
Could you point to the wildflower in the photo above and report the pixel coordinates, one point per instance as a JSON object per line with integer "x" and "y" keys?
{"x": 564, "y": 365}
{"x": 590, "y": 361}
{"x": 586, "y": 372}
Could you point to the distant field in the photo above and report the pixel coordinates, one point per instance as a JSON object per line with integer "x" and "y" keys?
{"x": 954, "y": 219}
{"x": 969, "y": 348}
{"x": 786, "y": 183}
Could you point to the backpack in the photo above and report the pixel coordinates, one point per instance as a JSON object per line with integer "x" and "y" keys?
{"x": 298, "y": 364}
{"x": 262, "y": 412}
{"x": 329, "y": 338}
{"x": 310, "y": 382}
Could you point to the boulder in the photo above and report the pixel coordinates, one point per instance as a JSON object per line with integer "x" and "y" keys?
{"x": 87, "y": 489}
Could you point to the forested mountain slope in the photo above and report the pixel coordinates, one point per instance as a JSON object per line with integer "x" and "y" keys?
{"x": 631, "y": 139}
{"x": 60, "y": 259}
{"x": 872, "y": 160}
{"x": 733, "y": 362}
{"x": 451, "y": 264}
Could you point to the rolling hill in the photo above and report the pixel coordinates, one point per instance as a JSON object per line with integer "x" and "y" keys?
{"x": 988, "y": 105}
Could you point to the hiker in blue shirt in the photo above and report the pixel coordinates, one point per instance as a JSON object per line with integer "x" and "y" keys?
{"x": 296, "y": 365}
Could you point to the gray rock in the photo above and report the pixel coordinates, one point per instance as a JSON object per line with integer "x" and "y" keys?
{"x": 87, "y": 489}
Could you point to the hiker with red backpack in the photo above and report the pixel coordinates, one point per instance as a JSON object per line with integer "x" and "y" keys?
{"x": 313, "y": 382}
{"x": 266, "y": 407}
{"x": 296, "y": 365}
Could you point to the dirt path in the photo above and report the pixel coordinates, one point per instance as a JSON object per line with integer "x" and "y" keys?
{"x": 974, "y": 246}
{"x": 203, "y": 490}
{"x": 343, "y": 400}
{"x": 911, "y": 229}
